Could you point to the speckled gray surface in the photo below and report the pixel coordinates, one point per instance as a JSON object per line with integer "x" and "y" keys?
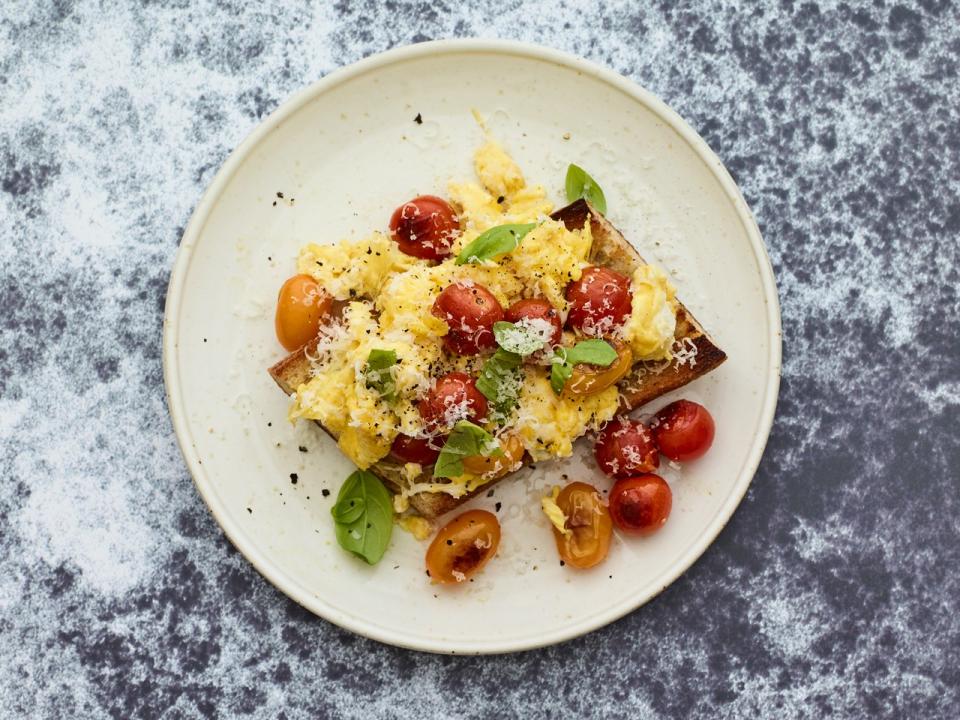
{"x": 834, "y": 591}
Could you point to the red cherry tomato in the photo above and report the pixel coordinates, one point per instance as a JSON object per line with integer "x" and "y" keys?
{"x": 301, "y": 306}
{"x": 640, "y": 505}
{"x": 537, "y": 309}
{"x": 416, "y": 450}
{"x": 455, "y": 397}
{"x": 683, "y": 430}
{"x": 425, "y": 227}
{"x": 599, "y": 301}
{"x": 470, "y": 310}
{"x": 463, "y": 547}
{"x": 625, "y": 447}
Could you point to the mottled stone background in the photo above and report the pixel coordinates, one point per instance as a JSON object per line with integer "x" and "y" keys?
{"x": 833, "y": 592}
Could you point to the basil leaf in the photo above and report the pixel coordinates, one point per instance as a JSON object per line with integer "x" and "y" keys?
{"x": 464, "y": 440}
{"x": 499, "y": 380}
{"x": 517, "y": 338}
{"x": 592, "y": 352}
{"x": 494, "y": 242}
{"x": 559, "y": 374}
{"x": 378, "y": 375}
{"x": 363, "y": 516}
{"x": 581, "y": 185}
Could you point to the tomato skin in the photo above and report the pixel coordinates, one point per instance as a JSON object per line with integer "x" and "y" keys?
{"x": 640, "y": 505}
{"x": 425, "y": 227}
{"x": 589, "y": 524}
{"x": 592, "y": 379}
{"x": 454, "y": 397}
{"x": 424, "y": 451}
{"x": 536, "y": 309}
{"x": 463, "y": 546}
{"x": 599, "y": 301}
{"x": 301, "y": 306}
{"x": 683, "y": 430}
{"x": 625, "y": 448}
{"x": 495, "y": 467}
{"x": 470, "y": 310}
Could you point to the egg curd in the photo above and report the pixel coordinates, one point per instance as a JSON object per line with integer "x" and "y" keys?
{"x": 389, "y": 296}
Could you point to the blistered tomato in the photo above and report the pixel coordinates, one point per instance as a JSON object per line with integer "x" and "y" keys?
{"x": 463, "y": 547}
{"x": 454, "y": 397}
{"x": 591, "y": 379}
{"x": 498, "y": 466}
{"x": 683, "y": 430}
{"x": 625, "y": 448}
{"x": 599, "y": 302}
{"x": 470, "y": 310}
{"x": 640, "y": 505}
{"x": 424, "y": 451}
{"x": 540, "y": 314}
{"x": 585, "y": 540}
{"x": 425, "y": 227}
{"x": 301, "y": 306}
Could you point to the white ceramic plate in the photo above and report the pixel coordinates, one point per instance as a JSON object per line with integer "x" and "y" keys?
{"x": 344, "y": 153}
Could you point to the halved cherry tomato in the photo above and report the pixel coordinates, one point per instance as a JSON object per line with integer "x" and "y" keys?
{"x": 625, "y": 448}
{"x": 301, "y": 306}
{"x": 454, "y": 397}
{"x": 599, "y": 301}
{"x": 498, "y": 466}
{"x": 463, "y": 547}
{"x": 683, "y": 430}
{"x": 591, "y": 379}
{"x": 588, "y": 524}
{"x": 640, "y": 505}
{"x": 416, "y": 450}
{"x": 425, "y": 227}
{"x": 470, "y": 310}
{"x": 537, "y": 309}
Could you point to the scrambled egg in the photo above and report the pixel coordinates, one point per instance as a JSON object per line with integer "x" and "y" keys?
{"x": 653, "y": 317}
{"x": 417, "y": 526}
{"x": 554, "y": 514}
{"x": 549, "y": 423}
{"x": 391, "y": 294}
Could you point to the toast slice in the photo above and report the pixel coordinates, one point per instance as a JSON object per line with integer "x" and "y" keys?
{"x": 646, "y": 381}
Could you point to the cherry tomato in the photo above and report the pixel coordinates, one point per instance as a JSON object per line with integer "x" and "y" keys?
{"x": 588, "y": 522}
{"x": 599, "y": 301}
{"x": 301, "y": 306}
{"x": 463, "y": 546}
{"x": 496, "y": 467}
{"x": 416, "y": 450}
{"x": 470, "y": 310}
{"x": 640, "y": 505}
{"x": 425, "y": 227}
{"x": 591, "y": 379}
{"x": 535, "y": 309}
{"x": 625, "y": 447}
{"x": 683, "y": 430}
{"x": 454, "y": 397}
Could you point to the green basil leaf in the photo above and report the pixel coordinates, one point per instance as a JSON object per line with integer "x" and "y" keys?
{"x": 493, "y": 243}
{"x": 363, "y": 516}
{"x": 592, "y": 352}
{"x": 518, "y": 338}
{"x": 581, "y": 185}
{"x": 464, "y": 440}
{"x": 499, "y": 381}
{"x": 559, "y": 374}
{"x": 348, "y": 510}
{"x": 378, "y": 373}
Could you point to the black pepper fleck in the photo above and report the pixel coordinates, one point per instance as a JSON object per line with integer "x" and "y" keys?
{"x": 269, "y": 424}
{"x": 325, "y": 492}
{"x": 302, "y": 448}
{"x": 498, "y": 506}
{"x": 418, "y": 119}
{"x": 490, "y": 493}
{"x": 280, "y": 195}
{"x": 294, "y": 478}
{"x": 562, "y": 563}
{"x": 500, "y": 200}
{"x": 250, "y": 510}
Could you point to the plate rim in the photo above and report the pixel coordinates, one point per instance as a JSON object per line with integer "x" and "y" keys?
{"x": 287, "y": 584}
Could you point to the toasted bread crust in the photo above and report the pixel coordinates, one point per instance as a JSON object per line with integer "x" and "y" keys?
{"x": 645, "y": 382}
